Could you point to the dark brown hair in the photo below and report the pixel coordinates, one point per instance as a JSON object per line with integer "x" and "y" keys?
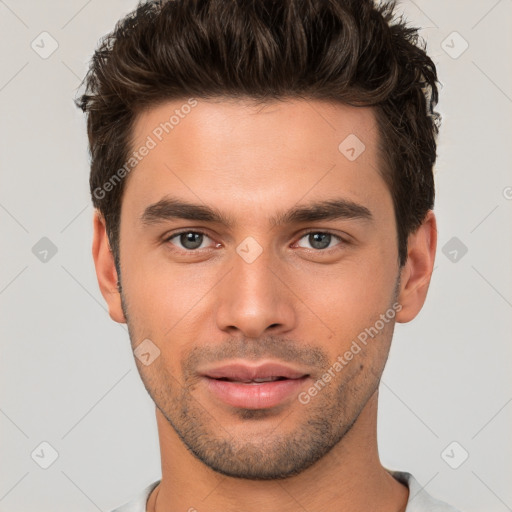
{"x": 348, "y": 51}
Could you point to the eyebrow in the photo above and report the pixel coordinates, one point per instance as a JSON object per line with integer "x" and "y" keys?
{"x": 169, "y": 208}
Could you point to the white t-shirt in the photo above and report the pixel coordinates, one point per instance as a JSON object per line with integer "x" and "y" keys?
{"x": 419, "y": 500}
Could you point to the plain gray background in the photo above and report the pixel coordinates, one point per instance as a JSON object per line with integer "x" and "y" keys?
{"x": 68, "y": 376}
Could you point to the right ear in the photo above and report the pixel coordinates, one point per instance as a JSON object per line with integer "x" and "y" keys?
{"x": 106, "y": 272}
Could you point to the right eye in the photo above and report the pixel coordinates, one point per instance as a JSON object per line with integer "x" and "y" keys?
{"x": 188, "y": 240}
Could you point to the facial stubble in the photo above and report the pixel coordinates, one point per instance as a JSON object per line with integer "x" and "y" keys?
{"x": 269, "y": 448}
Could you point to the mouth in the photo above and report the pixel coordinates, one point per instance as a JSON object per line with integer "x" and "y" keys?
{"x": 254, "y": 387}
{"x": 253, "y": 381}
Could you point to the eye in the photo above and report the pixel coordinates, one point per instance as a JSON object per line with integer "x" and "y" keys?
{"x": 188, "y": 240}
{"x": 320, "y": 240}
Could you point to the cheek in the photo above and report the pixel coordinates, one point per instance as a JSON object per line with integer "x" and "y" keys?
{"x": 167, "y": 303}
{"x": 349, "y": 300}
{"x": 153, "y": 283}
{"x": 353, "y": 290}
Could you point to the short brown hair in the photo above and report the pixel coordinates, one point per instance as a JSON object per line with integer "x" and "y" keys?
{"x": 347, "y": 51}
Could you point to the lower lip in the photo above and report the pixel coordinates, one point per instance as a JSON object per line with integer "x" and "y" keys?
{"x": 255, "y": 396}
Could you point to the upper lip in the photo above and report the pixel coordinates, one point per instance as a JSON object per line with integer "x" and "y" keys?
{"x": 245, "y": 372}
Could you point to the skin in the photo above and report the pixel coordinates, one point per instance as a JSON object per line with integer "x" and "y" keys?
{"x": 295, "y": 303}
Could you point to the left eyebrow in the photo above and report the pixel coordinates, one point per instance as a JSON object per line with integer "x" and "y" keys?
{"x": 170, "y": 208}
{"x": 333, "y": 209}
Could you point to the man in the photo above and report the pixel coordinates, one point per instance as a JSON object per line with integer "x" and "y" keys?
{"x": 262, "y": 177}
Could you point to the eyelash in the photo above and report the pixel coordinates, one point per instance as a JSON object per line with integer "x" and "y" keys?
{"x": 302, "y": 235}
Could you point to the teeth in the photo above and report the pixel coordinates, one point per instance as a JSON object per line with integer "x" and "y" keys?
{"x": 254, "y": 381}
{"x": 266, "y": 379}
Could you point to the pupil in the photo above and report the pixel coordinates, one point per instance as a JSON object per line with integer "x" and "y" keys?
{"x": 191, "y": 240}
{"x": 319, "y": 240}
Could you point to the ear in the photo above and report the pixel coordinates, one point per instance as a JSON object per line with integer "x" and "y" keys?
{"x": 417, "y": 271}
{"x": 106, "y": 272}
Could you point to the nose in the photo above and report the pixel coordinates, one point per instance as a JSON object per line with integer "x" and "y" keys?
{"x": 254, "y": 298}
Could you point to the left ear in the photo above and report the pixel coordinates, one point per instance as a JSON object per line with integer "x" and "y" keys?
{"x": 417, "y": 271}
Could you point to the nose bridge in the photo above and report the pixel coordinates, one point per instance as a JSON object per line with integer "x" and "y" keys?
{"x": 253, "y": 298}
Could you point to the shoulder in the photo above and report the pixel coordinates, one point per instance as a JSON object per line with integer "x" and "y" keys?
{"x": 419, "y": 500}
{"x": 138, "y": 502}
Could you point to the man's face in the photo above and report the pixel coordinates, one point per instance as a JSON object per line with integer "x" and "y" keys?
{"x": 263, "y": 288}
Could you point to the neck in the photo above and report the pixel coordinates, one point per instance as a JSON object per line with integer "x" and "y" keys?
{"x": 350, "y": 478}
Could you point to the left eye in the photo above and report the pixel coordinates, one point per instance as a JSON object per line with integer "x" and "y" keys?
{"x": 319, "y": 239}
{"x": 189, "y": 240}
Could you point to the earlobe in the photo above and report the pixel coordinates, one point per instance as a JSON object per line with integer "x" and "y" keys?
{"x": 417, "y": 271}
{"x": 106, "y": 272}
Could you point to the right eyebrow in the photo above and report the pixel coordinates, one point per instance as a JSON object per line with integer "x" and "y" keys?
{"x": 170, "y": 208}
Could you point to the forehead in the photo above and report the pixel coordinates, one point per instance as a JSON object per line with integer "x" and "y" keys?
{"x": 254, "y": 155}
{"x": 304, "y": 125}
